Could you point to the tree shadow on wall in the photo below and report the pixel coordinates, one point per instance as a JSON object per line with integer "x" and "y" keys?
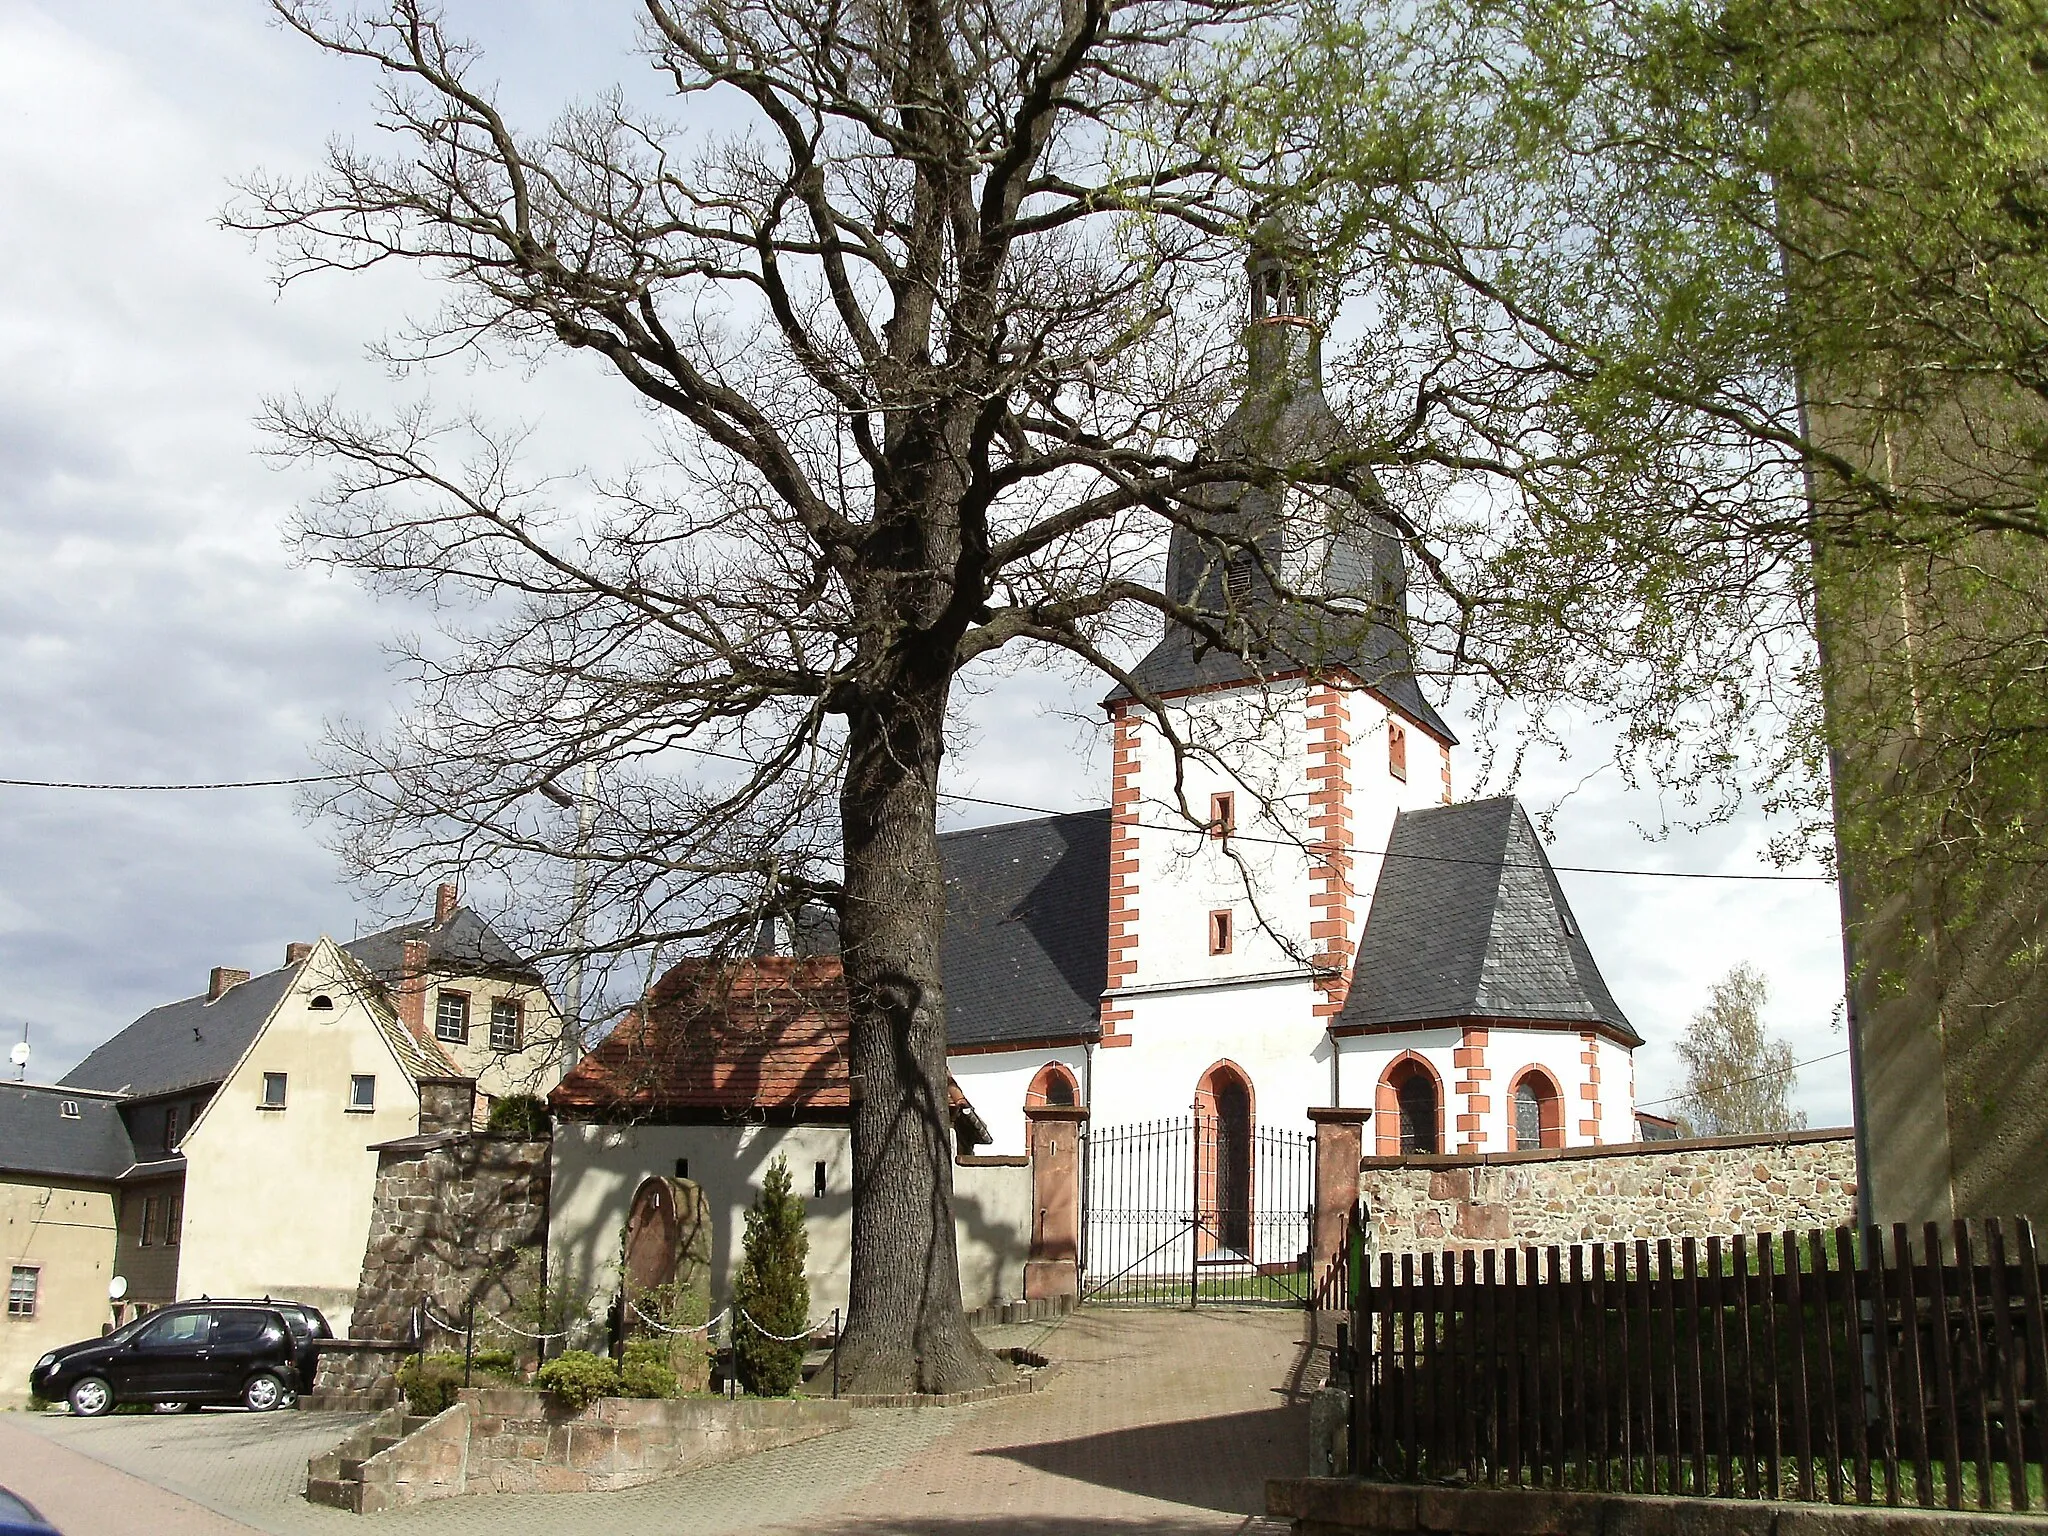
{"x": 1219, "y": 1463}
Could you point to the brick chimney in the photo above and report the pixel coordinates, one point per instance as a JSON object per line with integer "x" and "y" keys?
{"x": 446, "y": 899}
{"x": 221, "y": 978}
{"x": 412, "y": 987}
{"x": 294, "y": 953}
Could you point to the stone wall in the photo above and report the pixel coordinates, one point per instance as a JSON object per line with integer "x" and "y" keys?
{"x": 504, "y": 1440}
{"x": 457, "y": 1217}
{"x": 1698, "y": 1188}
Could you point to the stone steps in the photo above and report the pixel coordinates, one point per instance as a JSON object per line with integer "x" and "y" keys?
{"x": 335, "y": 1493}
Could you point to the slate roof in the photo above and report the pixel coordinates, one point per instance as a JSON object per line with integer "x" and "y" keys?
{"x": 1180, "y": 662}
{"x": 37, "y": 1138}
{"x": 190, "y": 1043}
{"x": 1469, "y": 922}
{"x": 767, "y": 1035}
{"x": 1026, "y": 952}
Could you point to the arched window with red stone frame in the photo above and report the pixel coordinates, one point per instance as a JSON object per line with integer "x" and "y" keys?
{"x": 1223, "y": 1159}
{"x": 1408, "y": 1108}
{"x": 1535, "y": 1111}
{"x": 1053, "y": 1085}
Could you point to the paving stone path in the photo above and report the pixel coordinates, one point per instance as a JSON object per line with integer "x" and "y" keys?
{"x": 1159, "y": 1423}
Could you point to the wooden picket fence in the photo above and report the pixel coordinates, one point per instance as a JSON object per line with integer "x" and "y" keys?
{"x": 1824, "y": 1365}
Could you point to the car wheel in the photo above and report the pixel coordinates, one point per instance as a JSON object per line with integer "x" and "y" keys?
{"x": 262, "y": 1392}
{"x": 90, "y": 1397}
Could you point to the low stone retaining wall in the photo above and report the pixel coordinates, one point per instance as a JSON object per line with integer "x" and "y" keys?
{"x": 1699, "y": 1188}
{"x": 508, "y": 1440}
{"x": 1340, "y": 1506}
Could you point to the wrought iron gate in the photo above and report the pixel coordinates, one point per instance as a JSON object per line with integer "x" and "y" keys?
{"x": 1196, "y": 1209}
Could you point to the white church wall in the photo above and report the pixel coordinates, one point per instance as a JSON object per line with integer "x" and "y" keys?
{"x": 1617, "y": 1093}
{"x": 996, "y": 1083}
{"x": 1508, "y": 1052}
{"x": 1377, "y": 797}
{"x": 1363, "y": 1060}
{"x": 1184, "y": 876}
{"x": 1266, "y": 1029}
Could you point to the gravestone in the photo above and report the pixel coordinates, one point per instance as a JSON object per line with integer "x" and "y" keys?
{"x": 667, "y": 1274}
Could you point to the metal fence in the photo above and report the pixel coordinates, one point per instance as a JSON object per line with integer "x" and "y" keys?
{"x": 1195, "y": 1210}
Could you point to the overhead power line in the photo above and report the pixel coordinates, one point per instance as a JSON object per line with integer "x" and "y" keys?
{"x": 982, "y": 800}
{"x": 1743, "y": 1082}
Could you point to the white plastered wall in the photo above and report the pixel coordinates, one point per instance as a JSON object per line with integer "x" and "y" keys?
{"x": 1557, "y": 1052}
{"x": 1617, "y": 1092}
{"x": 997, "y": 1082}
{"x": 277, "y": 1201}
{"x": 1363, "y": 1059}
{"x": 1266, "y": 1028}
{"x": 535, "y": 1068}
{"x": 597, "y": 1168}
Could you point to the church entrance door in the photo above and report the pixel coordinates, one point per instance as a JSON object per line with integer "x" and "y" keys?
{"x": 1206, "y": 1208}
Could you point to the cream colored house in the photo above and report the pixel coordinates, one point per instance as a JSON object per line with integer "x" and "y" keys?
{"x": 62, "y": 1152}
{"x": 251, "y": 1109}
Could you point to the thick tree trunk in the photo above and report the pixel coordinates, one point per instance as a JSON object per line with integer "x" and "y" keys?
{"x": 906, "y": 1330}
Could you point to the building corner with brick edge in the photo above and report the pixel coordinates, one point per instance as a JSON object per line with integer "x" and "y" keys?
{"x": 223, "y": 1144}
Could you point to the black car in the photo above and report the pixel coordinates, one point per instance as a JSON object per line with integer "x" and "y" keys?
{"x": 308, "y": 1324}
{"x": 191, "y": 1352}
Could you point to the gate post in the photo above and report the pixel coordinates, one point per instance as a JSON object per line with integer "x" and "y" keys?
{"x": 1052, "y": 1268}
{"x": 1340, "y": 1143}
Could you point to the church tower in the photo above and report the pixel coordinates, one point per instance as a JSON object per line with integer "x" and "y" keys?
{"x": 1246, "y": 829}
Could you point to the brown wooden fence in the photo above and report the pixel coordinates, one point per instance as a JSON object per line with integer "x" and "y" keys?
{"x": 1824, "y": 1365}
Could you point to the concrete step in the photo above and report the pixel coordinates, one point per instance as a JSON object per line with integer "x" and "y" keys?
{"x": 351, "y": 1469}
{"x": 383, "y": 1443}
{"x": 327, "y": 1464}
{"x": 415, "y": 1422}
{"x": 334, "y": 1493}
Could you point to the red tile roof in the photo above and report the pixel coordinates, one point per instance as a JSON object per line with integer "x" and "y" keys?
{"x": 769, "y": 1034}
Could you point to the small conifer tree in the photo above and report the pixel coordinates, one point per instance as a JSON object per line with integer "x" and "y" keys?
{"x": 771, "y": 1295}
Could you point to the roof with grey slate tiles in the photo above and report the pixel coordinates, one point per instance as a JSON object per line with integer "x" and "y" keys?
{"x": 1026, "y": 951}
{"x": 37, "y": 1137}
{"x": 1469, "y": 922}
{"x": 193, "y": 1042}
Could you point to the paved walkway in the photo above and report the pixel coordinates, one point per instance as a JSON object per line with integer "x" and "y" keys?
{"x": 1160, "y": 1423}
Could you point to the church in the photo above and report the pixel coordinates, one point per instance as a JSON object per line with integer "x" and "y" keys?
{"x": 1283, "y": 907}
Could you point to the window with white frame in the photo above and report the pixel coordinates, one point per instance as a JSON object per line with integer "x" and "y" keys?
{"x": 508, "y": 1024}
{"x": 273, "y": 1091}
{"x": 451, "y": 1018}
{"x": 362, "y": 1093}
{"x": 23, "y": 1283}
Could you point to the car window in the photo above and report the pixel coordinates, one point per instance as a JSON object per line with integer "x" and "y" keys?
{"x": 231, "y": 1328}
{"x": 296, "y": 1321}
{"x": 175, "y": 1330}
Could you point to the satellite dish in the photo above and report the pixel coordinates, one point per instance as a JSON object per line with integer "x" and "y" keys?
{"x": 19, "y": 1055}
{"x": 117, "y": 1287}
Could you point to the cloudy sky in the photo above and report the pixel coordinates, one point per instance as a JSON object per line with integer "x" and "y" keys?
{"x": 153, "y": 626}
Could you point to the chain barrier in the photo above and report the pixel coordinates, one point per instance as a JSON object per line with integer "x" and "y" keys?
{"x": 659, "y": 1327}
{"x": 444, "y": 1323}
{"x": 810, "y": 1329}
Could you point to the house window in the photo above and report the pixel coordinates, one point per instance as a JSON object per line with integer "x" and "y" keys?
{"x": 148, "y": 1220}
{"x": 174, "y": 1218}
{"x": 321, "y": 1003}
{"x": 23, "y": 1280}
{"x": 273, "y": 1091}
{"x": 1219, "y": 933}
{"x": 171, "y": 1129}
{"x": 507, "y": 1024}
{"x": 818, "y": 1182}
{"x": 1397, "y": 751}
{"x": 1539, "y": 1112}
{"x": 1417, "y": 1108}
{"x": 1222, "y": 815}
{"x": 451, "y": 1018}
{"x": 362, "y": 1093}
{"x": 67, "y": 1109}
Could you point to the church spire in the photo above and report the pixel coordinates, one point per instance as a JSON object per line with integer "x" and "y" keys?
{"x": 1283, "y": 348}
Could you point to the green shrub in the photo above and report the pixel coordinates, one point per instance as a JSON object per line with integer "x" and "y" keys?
{"x": 430, "y": 1382}
{"x": 646, "y": 1371}
{"x": 520, "y": 1116}
{"x": 578, "y": 1378}
{"x": 771, "y": 1290}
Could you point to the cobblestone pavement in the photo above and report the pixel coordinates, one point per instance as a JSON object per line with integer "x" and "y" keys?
{"x": 1159, "y": 1423}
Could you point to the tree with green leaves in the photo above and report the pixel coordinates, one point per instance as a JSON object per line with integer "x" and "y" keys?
{"x": 1738, "y": 1078}
{"x": 771, "y": 1298}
